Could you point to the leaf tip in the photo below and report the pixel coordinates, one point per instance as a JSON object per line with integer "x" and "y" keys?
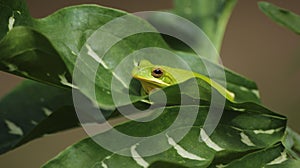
{"x": 263, "y": 4}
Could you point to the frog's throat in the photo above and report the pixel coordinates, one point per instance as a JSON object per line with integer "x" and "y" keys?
{"x": 150, "y": 85}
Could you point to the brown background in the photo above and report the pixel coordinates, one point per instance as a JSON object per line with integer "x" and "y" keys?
{"x": 253, "y": 46}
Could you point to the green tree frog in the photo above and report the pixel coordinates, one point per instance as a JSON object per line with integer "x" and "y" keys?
{"x": 158, "y": 76}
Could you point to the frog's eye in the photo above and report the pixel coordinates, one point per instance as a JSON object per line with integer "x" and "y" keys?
{"x": 157, "y": 72}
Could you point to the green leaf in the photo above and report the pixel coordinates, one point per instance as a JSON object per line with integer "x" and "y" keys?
{"x": 27, "y": 53}
{"x": 13, "y": 13}
{"x": 209, "y": 15}
{"x": 237, "y": 134}
{"x": 69, "y": 28}
{"x": 30, "y": 105}
{"x": 57, "y": 41}
{"x": 274, "y": 156}
{"x": 291, "y": 142}
{"x": 106, "y": 74}
{"x": 281, "y": 16}
{"x": 33, "y": 110}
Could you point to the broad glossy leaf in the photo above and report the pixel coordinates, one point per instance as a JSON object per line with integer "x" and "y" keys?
{"x": 274, "y": 156}
{"x": 29, "y": 105}
{"x": 57, "y": 41}
{"x": 27, "y": 53}
{"x": 70, "y": 45}
{"x": 33, "y": 110}
{"x": 281, "y": 16}
{"x": 64, "y": 33}
{"x": 237, "y": 134}
{"x": 69, "y": 28}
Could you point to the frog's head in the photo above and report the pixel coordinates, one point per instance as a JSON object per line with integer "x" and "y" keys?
{"x": 152, "y": 76}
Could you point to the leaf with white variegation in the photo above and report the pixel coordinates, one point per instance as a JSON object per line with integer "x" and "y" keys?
{"x": 238, "y": 133}
{"x": 60, "y": 50}
{"x": 33, "y": 110}
{"x": 274, "y": 156}
{"x": 30, "y": 104}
